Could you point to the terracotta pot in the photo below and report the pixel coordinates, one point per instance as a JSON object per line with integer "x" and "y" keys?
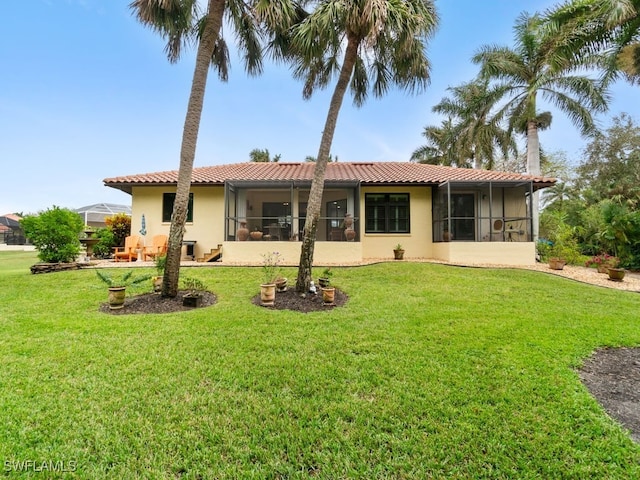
{"x": 243, "y": 232}
{"x": 328, "y": 295}
{"x": 556, "y": 263}
{"x": 256, "y": 235}
{"x": 350, "y": 234}
{"x": 281, "y": 285}
{"x": 116, "y": 297}
{"x": 616, "y": 274}
{"x": 267, "y": 294}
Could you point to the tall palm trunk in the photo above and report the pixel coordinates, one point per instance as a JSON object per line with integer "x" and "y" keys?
{"x": 533, "y": 168}
{"x": 314, "y": 204}
{"x": 206, "y": 45}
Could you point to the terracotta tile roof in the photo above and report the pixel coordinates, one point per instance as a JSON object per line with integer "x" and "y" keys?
{"x": 367, "y": 173}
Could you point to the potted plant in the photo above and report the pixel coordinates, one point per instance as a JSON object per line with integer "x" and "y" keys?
{"x": 602, "y": 262}
{"x": 117, "y": 286}
{"x": 256, "y": 234}
{"x": 270, "y": 271}
{"x": 161, "y": 262}
{"x": 398, "y": 252}
{"x": 281, "y": 284}
{"x": 325, "y": 278}
{"x": 194, "y": 287}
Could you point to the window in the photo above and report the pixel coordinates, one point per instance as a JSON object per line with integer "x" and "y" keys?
{"x": 387, "y": 212}
{"x": 167, "y": 207}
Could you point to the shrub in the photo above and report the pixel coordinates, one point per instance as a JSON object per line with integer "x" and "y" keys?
{"x": 120, "y": 226}
{"x": 55, "y": 233}
{"x": 103, "y": 248}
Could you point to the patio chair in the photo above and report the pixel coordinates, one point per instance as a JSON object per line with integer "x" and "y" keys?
{"x": 129, "y": 252}
{"x": 157, "y": 248}
{"x": 498, "y": 230}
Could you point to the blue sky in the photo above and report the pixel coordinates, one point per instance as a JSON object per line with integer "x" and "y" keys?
{"x": 87, "y": 93}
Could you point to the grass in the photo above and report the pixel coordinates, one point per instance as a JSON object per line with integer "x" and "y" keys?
{"x": 429, "y": 371}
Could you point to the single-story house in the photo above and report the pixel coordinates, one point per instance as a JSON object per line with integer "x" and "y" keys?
{"x": 434, "y": 212}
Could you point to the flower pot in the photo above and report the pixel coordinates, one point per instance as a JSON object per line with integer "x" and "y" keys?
{"x": 243, "y": 232}
{"x": 324, "y": 282}
{"x": 192, "y": 301}
{"x": 603, "y": 268}
{"x": 398, "y": 254}
{"x": 556, "y": 263}
{"x": 157, "y": 283}
{"x": 281, "y": 285}
{"x": 256, "y": 235}
{"x": 328, "y": 295}
{"x": 116, "y": 297}
{"x": 350, "y": 234}
{"x": 616, "y": 274}
{"x": 267, "y": 294}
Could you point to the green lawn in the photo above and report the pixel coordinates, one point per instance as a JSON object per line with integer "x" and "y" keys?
{"x": 429, "y": 371}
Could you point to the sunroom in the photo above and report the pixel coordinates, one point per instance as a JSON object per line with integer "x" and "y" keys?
{"x": 278, "y": 209}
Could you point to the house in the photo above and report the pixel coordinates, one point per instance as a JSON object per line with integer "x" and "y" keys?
{"x": 95, "y": 215}
{"x": 435, "y": 212}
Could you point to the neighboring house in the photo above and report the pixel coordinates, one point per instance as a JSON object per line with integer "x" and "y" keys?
{"x": 94, "y": 215}
{"x": 435, "y": 212}
{"x": 11, "y": 232}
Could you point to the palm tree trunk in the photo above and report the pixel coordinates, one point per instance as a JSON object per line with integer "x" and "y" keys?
{"x": 533, "y": 168}
{"x": 314, "y": 204}
{"x": 206, "y": 46}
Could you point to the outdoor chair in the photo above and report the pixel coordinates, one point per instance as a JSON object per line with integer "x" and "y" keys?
{"x": 129, "y": 252}
{"x": 498, "y": 230}
{"x": 157, "y": 248}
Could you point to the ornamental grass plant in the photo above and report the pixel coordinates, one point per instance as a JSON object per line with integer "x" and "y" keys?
{"x": 468, "y": 373}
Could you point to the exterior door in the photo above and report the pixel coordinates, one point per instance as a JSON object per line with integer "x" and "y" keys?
{"x": 463, "y": 213}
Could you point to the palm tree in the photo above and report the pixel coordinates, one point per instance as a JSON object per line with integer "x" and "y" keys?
{"x": 181, "y": 22}
{"x": 529, "y": 70}
{"x": 604, "y": 33}
{"x": 479, "y": 134}
{"x": 442, "y": 147}
{"x": 380, "y": 43}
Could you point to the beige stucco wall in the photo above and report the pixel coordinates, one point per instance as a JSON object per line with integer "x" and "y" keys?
{"x": 417, "y": 243}
{"x": 207, "y": 228}
{"x": 325, "y": 253}
{"x": 475, "y": 253}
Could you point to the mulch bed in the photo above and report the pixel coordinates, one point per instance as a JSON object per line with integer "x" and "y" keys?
{"x": 612, "y": 375}
{"x": 291, "y": 300}
{"x": 156, "y": 303}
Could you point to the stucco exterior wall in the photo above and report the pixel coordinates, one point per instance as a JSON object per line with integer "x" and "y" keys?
{"x": 417, "y": 243}
{"x": 325, "y": 253}
{"x": 207, "y": 228}
{"x": 475, "y": 253}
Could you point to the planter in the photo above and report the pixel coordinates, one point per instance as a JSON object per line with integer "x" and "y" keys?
{"x": 281, "y": 285}
{"x": 268, "y": 294}
{"x": 192, "y": 301}
{"x": 350, "y": 234}
{"x": 328, "y": 295}
{"x": 243, "y": 232}
{"x": 556, "y": 263}
{"x": 256, "y": 235}
{"x": 603, "y": 268}
{"x": 616, "y": 274}
{"x": 398, "y": 254}
{"x": 116, "y": 297}
{"x": 324, "y": 282}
